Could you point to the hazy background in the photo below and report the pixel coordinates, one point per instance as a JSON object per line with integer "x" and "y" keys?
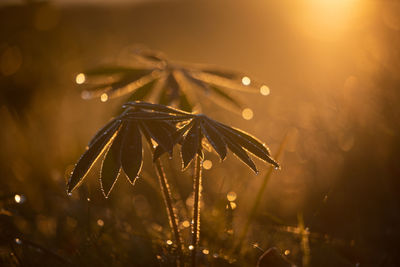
{"x": 333, "y": 69}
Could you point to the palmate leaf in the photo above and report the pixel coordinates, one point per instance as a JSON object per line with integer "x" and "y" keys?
{"x": 207, "y": 89}
{"x": 111, "y": 165}
{"x": 155, "y": 107}
{"x": 132, "y": 151}
{"x": 161, "y": 132}
{"x": 214, "y": 138}
{"x": 122, "y": 141}
{"x": 213, "y": 82}
{"x": 250, "y": 143}
{"x": 89, "y": 158}
{"x": 177, "y": 137}
{"x": 221, "y": 137}
{"x": 241, "y": 154}
{"x": 114, "y": 70}
{"x": 114, "y": 123}
{"x": 142, "y": 92}
{"x": 191, "y": 144}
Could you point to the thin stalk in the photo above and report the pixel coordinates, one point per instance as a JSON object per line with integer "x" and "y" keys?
{"x": 196, "y": 208}
{"x": 260, "y": 193}
{"x": 173, "y": 221}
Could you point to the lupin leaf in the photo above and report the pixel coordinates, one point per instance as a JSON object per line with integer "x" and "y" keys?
{"x": 132, "y": 151}
{"x": 142, "y": 92}
{"x": 250, "y": 143}
{"x": 89, "y": 158}
{"x": 184, "y": 102}
{"x": 225, "y": 96}
{"x": 223, "y": 73}
{"x": 160, "y": 132}
{"x": 114, "y": 123}
{"x": 214, "y": 138}
{"x": 190, "y": 144}
{"x": 155, "y": 107}
{"x": 111, "y": 165}
{"x": 241, "y": 154}
{"x": 176, "y": 137}
{"x": 113, "y": 70}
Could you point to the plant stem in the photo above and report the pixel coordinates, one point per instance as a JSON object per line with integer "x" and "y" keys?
{"x": 259, "y": 197}
{"x": 173, "y": 222}
{"x": 196, "y": 208}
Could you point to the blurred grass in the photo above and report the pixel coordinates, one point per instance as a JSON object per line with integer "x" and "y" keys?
{"x": 338, "y": 97}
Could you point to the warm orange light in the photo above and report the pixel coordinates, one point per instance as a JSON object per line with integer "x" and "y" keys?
{"x": 231, "y": 196}
{"x": 246, "y": 80}
{"x": 264, "y": 90}
{"x": 104, "y": 97}
{"x": 207, "y": 164}
{"x": 247, "y": 114}
{"x": 80, "y": 78}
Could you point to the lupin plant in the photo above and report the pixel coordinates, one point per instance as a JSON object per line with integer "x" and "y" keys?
{"x": 157, "y": 79}
{"x": 169, "y": 84}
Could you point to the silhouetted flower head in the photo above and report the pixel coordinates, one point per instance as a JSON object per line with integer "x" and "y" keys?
{"x": 121, "y": 140}
{"x": 166, "y": 82}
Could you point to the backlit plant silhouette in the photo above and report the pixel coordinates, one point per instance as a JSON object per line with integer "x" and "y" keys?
{"x": 121, "y": 139}
{"x": 166, "y": 82}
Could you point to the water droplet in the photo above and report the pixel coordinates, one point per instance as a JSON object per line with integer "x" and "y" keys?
{"x": 191, "y": 247}
{"x": 246, "y": 81}
{"x": 276, "y": 168}
{"x": 69, "y": 194}
{"x": 205, "y": 251}
{"x": 88, "y": 199}
{"x": 186, "y": 224}
{"x": 19, "y": 198}
{"x": 169, "y": 242}
{"x": 18, "y": 241}
{"x": 100, "y": 222}
{"x": 215, "y": 255}
{"x": 287, "y": 252}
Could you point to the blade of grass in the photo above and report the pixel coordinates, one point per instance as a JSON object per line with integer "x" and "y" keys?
{"x": 258, "y": 198}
